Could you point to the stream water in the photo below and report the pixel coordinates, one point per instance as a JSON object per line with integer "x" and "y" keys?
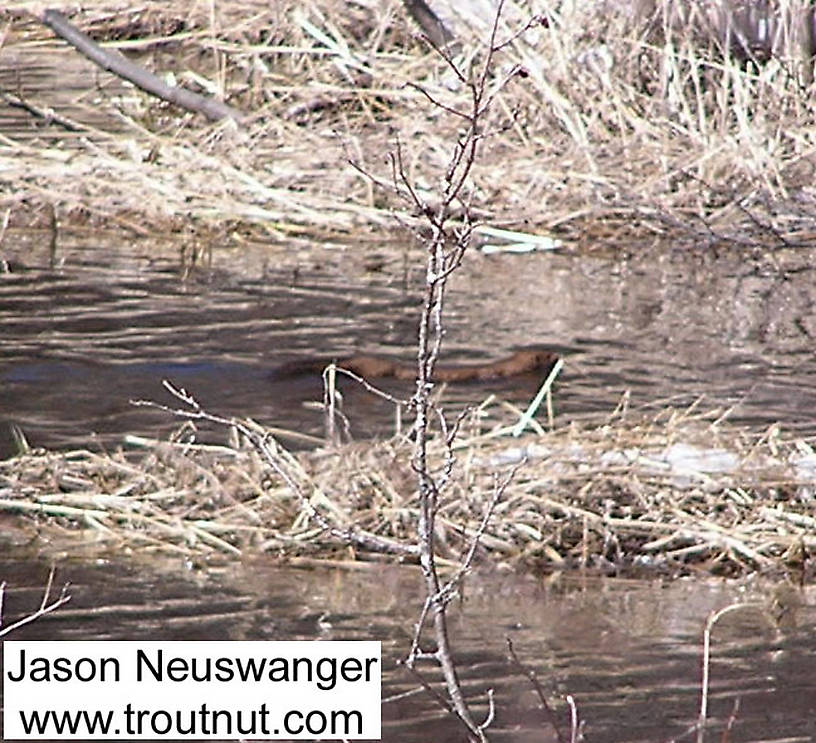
{"x": 93, "y": 324}
{"x": 88, "y": 328}
{"x": 628, "y": 652}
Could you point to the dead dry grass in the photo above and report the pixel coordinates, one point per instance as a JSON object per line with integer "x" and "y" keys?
{"x": 669, "y": 495}
{"x": 614, "y": 132}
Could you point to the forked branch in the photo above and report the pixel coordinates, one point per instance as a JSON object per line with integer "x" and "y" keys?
{"x": 47, "y": 605}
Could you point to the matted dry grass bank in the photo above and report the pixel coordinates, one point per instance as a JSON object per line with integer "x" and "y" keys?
{"x": 678, "y": 493}
{"x": 615, "y": 131}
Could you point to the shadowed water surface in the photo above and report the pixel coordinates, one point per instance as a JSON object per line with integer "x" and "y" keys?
{"x": 95, "y": 324}
{"x": 628, "y": 652}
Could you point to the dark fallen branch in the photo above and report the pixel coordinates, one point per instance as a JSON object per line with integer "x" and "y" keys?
{"x": 430, "y": 23}
{"x": 46, "y": 114}
{"x": 119, "y": 65}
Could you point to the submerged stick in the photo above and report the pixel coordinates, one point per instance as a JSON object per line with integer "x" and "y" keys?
{"x": 121, "y": 66}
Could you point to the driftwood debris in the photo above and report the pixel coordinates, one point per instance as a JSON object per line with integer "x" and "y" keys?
{"x": 142, "y": 78}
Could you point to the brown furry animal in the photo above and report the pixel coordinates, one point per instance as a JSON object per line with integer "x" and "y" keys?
{"x": 525, "y": 361}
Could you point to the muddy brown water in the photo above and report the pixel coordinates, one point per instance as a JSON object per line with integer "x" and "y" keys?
{"x": 96, "y": 323}
{"x": 628, "y": 652}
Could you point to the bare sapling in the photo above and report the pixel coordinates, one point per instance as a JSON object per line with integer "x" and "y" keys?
{"x": 446, "y": 231}
{"x": 446, "y": 228}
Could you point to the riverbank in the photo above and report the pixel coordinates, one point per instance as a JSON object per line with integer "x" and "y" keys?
{"x": 605, "y": 133}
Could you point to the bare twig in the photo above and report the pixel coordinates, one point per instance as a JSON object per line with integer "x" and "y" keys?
{"x": 284, "y": 465}
{"x": 575, "y": 723}
{"x": 47, "y": 605}
{"x": 542, "y": 697}
{"x": 713, "y": 618}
